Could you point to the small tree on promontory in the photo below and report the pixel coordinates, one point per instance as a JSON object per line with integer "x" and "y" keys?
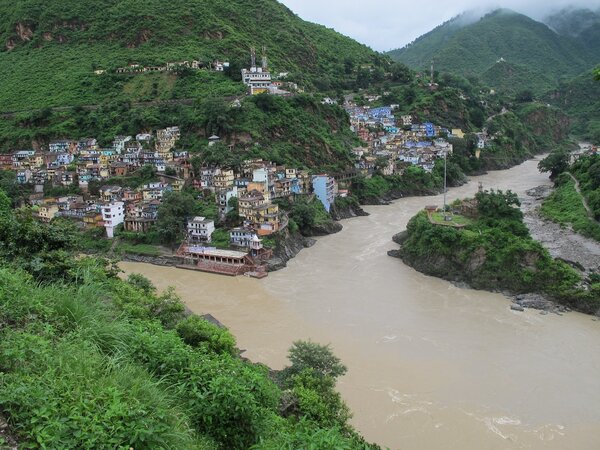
{"x": 310, "y": 355}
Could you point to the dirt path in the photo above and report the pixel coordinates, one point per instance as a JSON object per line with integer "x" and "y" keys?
{"x": 561, "y": 242}
{"x": 583, "y": 199}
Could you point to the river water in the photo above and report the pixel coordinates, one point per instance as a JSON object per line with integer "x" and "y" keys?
{"x": 430, "y": 365}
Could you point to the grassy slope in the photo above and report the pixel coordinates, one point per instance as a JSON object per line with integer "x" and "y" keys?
{"x": 57, "y": 45}
{"x": 564, "y": 206}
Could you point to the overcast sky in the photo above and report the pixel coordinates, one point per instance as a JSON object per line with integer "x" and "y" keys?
{"x": 388, "y": 24}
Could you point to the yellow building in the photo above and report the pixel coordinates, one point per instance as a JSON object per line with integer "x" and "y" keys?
{"x": 92, "y": 220}
{"x": 47, "y": 212}
{"x": 224, "y": 179}
{"x": 248, "y": 203}
{"x": 458, "y": 133}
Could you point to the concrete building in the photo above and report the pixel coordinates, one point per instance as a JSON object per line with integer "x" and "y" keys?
{"x": 258, "y": 79}
{"x": 200, "y": 229}
{"x": 113, "y": 214}
{"x": 241, "y": 237}
{"x": 324, "y": 189}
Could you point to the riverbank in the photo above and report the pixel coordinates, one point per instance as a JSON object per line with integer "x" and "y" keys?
{"x": 494, "y": 251}
{"x": 562, "y": 242}
{"x": 429, "y": 365}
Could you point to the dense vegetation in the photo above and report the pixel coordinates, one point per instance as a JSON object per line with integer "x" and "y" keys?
{"x": 61, "y": 44}
{"x": 536, "y": 56}
{"x": 579, "y": 97}
{"x": 565, "y": 205}
{"x": 90, "y": 360}
{"x": 494, "y": 251}
{"x": 299, "y": 131}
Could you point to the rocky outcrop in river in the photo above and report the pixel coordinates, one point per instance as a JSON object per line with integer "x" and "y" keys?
{"x": 346, "y": 211}
{"x": 288, "y": 245}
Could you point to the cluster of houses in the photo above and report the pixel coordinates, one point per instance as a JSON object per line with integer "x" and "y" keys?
{"x": 393, "y": 143}
{"x": 255, "y": 185}
{"x": 78, "y": 162}
{"x": 174, "y": 66}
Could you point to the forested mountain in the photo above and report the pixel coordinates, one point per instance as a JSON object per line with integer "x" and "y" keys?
{"x": 581, "y": 24}
{"x": 507, "y": 50}
{"x": 49, "y": 50}
{"x": 580, "y": 98}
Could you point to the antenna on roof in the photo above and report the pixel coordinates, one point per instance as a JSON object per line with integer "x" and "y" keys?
{"x": 432, "y": 72}
{"x": 252, "y": 57}
{"x": 264, "y": 58}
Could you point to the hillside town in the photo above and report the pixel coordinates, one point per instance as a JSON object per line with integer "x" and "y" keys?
{"x": 94, "y": 192}
{"x": 390, "y": 145}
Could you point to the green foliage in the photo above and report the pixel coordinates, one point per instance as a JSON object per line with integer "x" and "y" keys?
{"x": 524, "y": 96}
{"x": 317, "y": 399}
{"x": 91, "y": 360}
{"x": 142, "y": 283}
{"x": 298, "y": 435}
{"x": 565, "y": 207}
{"x": 5, "y": 203}
{"x": 536, "y": 57}
{"x": 113, "y": 34}
{"x": 38, "y": 248}
{"x": 579, "y": 98}
{"x": 318, "y": 358}
{"x": 498, "y": 205}
{"x": 555, "y": 163}
{"x": 414, "y": 181}
{"x": 174, "y": 210}
{"x": 137, "y": 249}
{"x": 495, "y": 251}
{"x": 306, "y": 214}
{"x": 220, "y": 238}
{"x": 199, "y": 332}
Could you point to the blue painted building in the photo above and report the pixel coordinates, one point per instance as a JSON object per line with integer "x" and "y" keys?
{"x": 324, "y": 189}
{"x": 429, "y": 129}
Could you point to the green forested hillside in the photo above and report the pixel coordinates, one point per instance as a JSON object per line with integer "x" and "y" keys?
{"x": 583, "y": 25}
{"x": 537, "y": 56}
{"x": 51, "y": 48}
{"x": 512, "y": 78}
{"x": 580, "y": 98}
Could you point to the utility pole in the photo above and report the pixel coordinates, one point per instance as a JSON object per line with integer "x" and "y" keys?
{"x": 446, "y": 216}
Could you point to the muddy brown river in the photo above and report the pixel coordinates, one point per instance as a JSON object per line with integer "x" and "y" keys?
{"x": 431, "y": 366}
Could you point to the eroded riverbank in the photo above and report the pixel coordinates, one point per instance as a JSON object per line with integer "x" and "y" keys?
{"x": 430, "y": 365}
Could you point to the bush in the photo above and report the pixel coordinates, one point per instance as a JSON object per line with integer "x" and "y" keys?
{"x": 199, "y": 332}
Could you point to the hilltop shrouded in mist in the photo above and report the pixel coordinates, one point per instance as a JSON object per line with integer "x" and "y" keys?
{"x": 507, "y": 50}
{"x": 385, "y": 25}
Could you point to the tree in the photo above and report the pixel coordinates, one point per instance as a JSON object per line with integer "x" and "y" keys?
{"x": 401, "y": 73}
{"x": 147, "y": 172}
{"x": 173, "y": 212}
{"x": 199, "y": 332}
{"x": 233, "y": 218}
{"x": 499, "y": 205}
{"x": 215, "y": 116}
{"x": 319, "y": 358}
{"x": 5, "y": 203}
{"x": 555, "y": 163}
{"x": 524, "y": 96}
{"x": 597, "y": 74}
{"x": 141, "y": 282}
